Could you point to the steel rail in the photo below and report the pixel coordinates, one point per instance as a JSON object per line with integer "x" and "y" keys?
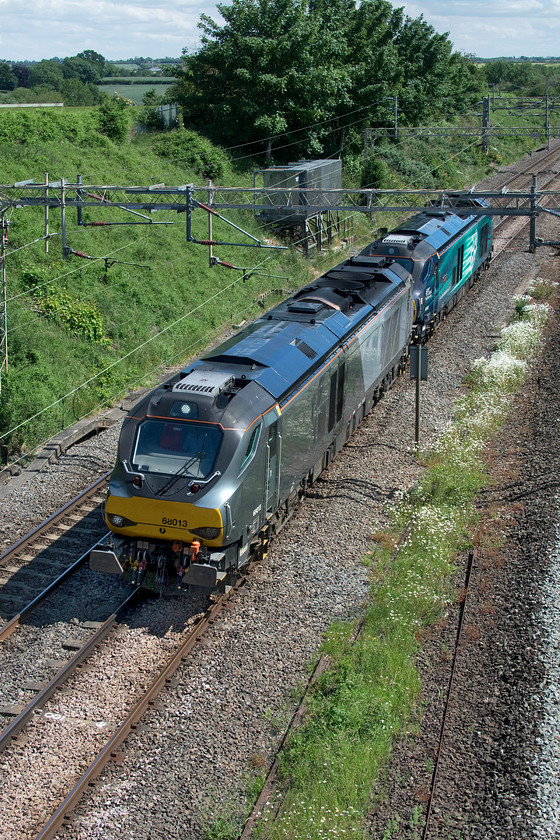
{"x": 518, "y": 231}
{"x": 8, "y": 734}
{"x": 551, "y": 156}
{"x": 470, "y": 563}
{"x": 57, "y": 819}
{"x": 272, "y": 775}
{"x": 173, "y": 663}
{"x": 11, "y": 626}
{"x": 54, "y": 518}
{"x": 321, "y": 666}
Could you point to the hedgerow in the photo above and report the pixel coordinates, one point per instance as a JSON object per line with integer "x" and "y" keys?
{"x": 28, "y": 127}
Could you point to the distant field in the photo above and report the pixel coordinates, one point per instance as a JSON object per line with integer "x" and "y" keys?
{"x": 138, "y": 80}
{"x": 134, "y": 92}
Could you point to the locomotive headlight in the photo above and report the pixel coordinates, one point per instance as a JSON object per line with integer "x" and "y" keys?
{"x": 206, "y": 533}
{"x": 119, "y": 521}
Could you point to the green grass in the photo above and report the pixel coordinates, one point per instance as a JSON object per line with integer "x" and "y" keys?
{"x": 368, "y": 697}
{"x": 138, "y": 80}
{"x": 160, "y": 280}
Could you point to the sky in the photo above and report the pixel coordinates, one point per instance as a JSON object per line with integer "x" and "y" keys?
{"x": 37, "y": 29}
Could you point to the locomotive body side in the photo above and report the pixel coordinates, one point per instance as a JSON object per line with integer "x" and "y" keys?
{"x": 214, "y": 461}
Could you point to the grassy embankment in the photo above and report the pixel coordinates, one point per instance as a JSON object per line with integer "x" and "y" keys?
{"x": 368, "y": 696}
{"x": 72, "y": 320}
{"x": 80, "y": 334}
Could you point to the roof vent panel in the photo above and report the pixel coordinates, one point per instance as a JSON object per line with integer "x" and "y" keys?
{"x": 304, "y": 347}
{"x": 304, "y": 307}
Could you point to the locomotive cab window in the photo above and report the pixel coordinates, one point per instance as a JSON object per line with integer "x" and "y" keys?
{"x": 251, "y": 448}
{"x": 406, "y": 263}
{"x": 483, "y": 240}
{"x": 165, "y": 447}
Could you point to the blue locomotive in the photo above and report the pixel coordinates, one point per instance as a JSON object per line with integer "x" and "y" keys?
{"x": 213, "y": 462}
{"x": 444, "y": 253}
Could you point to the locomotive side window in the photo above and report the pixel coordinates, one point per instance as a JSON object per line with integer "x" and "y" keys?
{"x": 483, "y": 241}
{"x": 336, "y": 396}
{"x": 251, "y": 447}
{"x": 332, "y": 401}
{"x": 458, "y": 274}
{"x": 340, "y": 392}
{"x": 164, "y": 447}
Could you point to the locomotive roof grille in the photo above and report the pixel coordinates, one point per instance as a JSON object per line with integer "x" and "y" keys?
{"x": 204, "y": 382}
{"x": 396, "y": 239}
{"x": 304, "y": 347}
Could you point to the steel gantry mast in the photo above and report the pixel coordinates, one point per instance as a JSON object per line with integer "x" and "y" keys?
{"x": 187, "y": 198}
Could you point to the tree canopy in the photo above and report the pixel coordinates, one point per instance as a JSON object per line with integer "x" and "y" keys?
{"x": 8, "y": 79}
{"x": 327, "y": 66}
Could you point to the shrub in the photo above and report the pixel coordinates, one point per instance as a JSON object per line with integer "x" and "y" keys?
{"x": 375, "y": 174}
{"x": 194, "y": 151}
{"x": 114, "y": 118}
{"x": 151, "y": 119}
{"x": 81, "y": 317}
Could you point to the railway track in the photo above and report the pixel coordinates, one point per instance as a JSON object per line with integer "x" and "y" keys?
{"x": 48, "y": 554}
{"x": 84, "y": 649}
{"x": 471, "y": 559}
{"x": 84, "y": 733}
{"x": 507, "y": 228}
{"x": 65, "y": 716}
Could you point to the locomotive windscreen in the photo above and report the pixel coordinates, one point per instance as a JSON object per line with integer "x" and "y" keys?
{"x": 166, "y": 447}
{"x": 406, "y": 263}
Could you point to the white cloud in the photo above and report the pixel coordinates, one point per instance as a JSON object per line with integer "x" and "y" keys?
{"x": 503, "y": 27}
{"x": 46, "y": 28}
{"x": 116, "y": 30}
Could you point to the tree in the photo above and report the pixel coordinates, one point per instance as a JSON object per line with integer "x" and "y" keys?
{"x": 8, "y": 79}
{"x": 151, "y": 98}
{"x": 372, "y": 31}
{"x": 318, "y": 71}
{"x": 48, "y": 73}
{"x": 80, "y": 68}
{"x": 74, "y": 92}
{"x": 94, "y": 58}
{"x": 22, "y": 73}
{"x": 275, "y": 66}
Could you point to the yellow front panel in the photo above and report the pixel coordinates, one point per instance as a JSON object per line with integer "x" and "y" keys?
{"x": 158, "y": 519}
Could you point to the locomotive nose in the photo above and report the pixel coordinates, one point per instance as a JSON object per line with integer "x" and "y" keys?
{"x": 144, "y": 518}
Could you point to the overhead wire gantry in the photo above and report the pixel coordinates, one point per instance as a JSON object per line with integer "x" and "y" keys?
{"x": 63, "y": 195}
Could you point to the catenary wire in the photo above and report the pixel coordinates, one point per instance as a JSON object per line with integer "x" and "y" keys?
{"x": 122, "y": 358}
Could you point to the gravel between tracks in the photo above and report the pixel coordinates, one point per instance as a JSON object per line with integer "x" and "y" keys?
{"x": 195, "y": 754}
